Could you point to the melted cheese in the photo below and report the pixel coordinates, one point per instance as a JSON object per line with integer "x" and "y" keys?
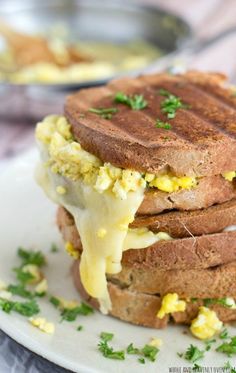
{"x": 101, "y": 198}
{"x": 94, "y": 213}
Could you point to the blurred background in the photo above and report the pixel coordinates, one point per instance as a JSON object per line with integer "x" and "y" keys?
{"x": 49, "y": 48}
{"x": 52, "y": 47}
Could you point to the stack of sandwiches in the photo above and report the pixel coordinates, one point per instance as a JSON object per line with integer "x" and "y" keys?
{"x": 143, "y": 171}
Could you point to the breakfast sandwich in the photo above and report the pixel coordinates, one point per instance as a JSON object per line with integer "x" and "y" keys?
{"x": 144, "y": 173}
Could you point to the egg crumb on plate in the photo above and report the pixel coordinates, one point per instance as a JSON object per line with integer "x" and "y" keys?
{"x": 171, "y": 303}
{"x": 206, "y": 324}
{"x": 34, "y": 271}
{"x": 67, "y": 304}
{"x": 156, "y": 342}
{"x": 42, "y": 324}
{"x": 3, "y": 285}
{"x": 4, "y": 294}
{"x": 42, "y": 287}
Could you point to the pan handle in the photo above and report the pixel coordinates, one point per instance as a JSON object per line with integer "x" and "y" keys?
{"x": 199, "y": 45}
{"x": 187, "y": 52}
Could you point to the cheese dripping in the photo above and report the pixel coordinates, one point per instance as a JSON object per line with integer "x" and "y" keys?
{"x": 102, "y": 220}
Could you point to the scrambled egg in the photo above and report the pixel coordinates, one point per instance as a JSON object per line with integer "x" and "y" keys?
{"x": 34, "y": 271}
{"x": 67, "y": 158}
{"x": 206, "y": 324}
{"x": 170, "y": 183}
{"x": 3, "y": 285}
{"x": 42, "y": 324}
{"x": 67, "y": 304}
{"x": 42, "y": 287}
{"x": 156, "y": 342}
{"x": 229, "y": 175}
{"x": 5, "y": 294}
{"x": 45, "y": 72}
{"x": 71, "y": 250}
{"x": 171, "y": 303}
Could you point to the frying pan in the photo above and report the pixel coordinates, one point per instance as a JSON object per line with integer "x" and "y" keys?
{"x": 98, "y": 20}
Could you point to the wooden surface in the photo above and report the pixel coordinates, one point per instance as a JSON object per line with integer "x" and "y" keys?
{"x": 206, "y": 17}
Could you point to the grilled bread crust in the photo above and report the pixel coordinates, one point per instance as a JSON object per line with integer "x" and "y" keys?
{"x": 209, "y": 191}
{"x": 194, "y": 252}
{"x": 141, "y": 309}
{"x": 201, "y": 141}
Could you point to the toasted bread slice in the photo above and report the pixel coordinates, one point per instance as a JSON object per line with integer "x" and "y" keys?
{"x": 193, "y": 252}
{"x": 215, "y": 282}
{"x": 209, "y": 191}
{"x": 201, "y": 141}
{"x": 141, "y": 309}
{"x": 179, "y": 224}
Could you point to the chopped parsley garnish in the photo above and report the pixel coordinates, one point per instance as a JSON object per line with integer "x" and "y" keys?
{"x": 106, "y": 336}
{"x": 224, "y": 334}
{"x": 23, "y": 277}
{"x": 79, "y": 328}
{"x": 197, "y": 368}
{"x": 136, "y": 102}
{"x": 141, "y": 360}
{"x": 31, "y": 257}
{"x": 194, "y": 300}
{"x": 193, "y": 354}
{"x": 20, "y": 290}
{"x": 131, "y": 350}
{"x": 228, "y": 348}
{"x": 28, "y": 309}
{"x": 108, "y": 351}
{"x": 222, "y": 301}
{"x": 71, "y": 314}
{"x": 105, "y": 113}
{"x": 150, "y": 352}
{"x": 164, "y": 125}
{"x": 229, "y": 366}
{"x": 54, "y": 248}
{"x": 208, "y": 343}
{"x": 55, "y": 301}
{"x": 171, "y": 104}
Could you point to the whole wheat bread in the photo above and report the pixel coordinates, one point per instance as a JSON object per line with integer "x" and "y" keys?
{"x": 181, "y": 224}
{"x": 141, "y": 309}
{"x": 202, "y": 138}
{"x": 214, "y": 282}
{"x": 194, "y": 252}
{"x": 209, "y": 191}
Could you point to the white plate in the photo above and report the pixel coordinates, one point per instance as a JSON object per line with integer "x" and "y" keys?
{"x": 27, "y": 218}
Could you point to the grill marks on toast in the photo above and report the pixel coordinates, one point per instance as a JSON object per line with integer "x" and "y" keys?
{"x": 213, "y": 116}
{"x": 205, "y": 129}
{"x": 207, "y": 118}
